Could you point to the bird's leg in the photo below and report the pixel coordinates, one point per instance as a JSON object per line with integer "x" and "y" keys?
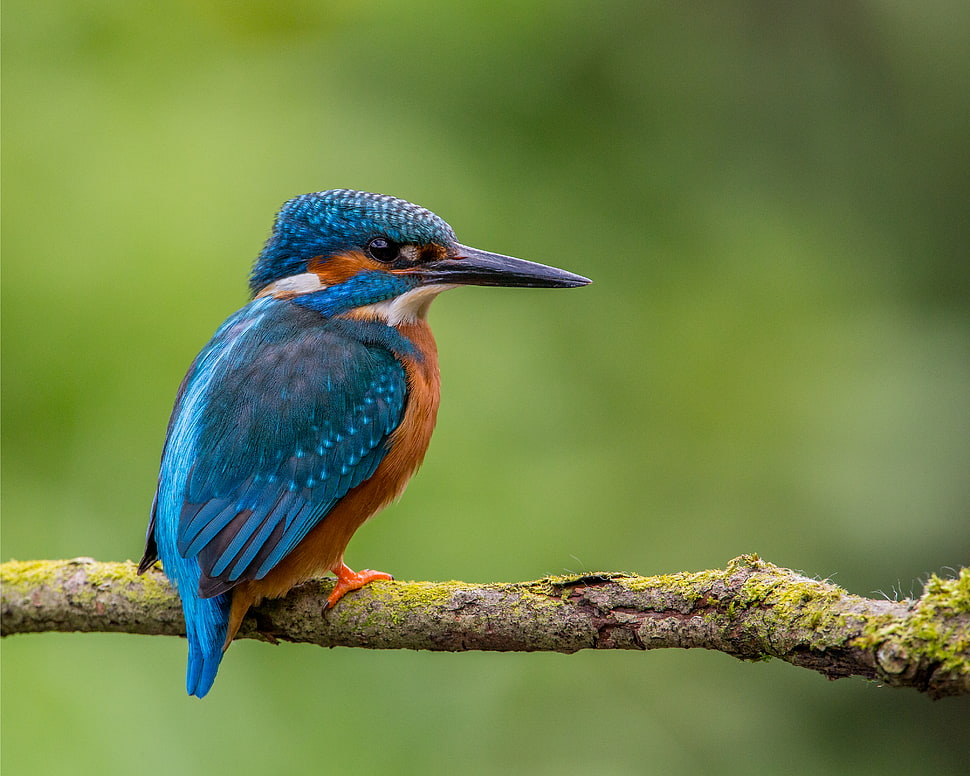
{"x": 348, "y": 579}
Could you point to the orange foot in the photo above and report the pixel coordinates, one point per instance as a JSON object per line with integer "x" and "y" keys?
{"x": 348, "y": 579}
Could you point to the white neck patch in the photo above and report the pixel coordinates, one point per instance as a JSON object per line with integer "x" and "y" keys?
{"x": 287, "y": 288}
{"x": 406, "y": 308}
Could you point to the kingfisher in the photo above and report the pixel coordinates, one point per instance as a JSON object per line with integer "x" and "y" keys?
{"x": 309, "y": 409}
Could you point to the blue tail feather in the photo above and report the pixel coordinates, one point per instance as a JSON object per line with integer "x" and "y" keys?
{"x": 206, "y": 627}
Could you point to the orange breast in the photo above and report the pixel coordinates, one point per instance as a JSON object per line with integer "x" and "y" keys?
{"x": 323, "y": 548}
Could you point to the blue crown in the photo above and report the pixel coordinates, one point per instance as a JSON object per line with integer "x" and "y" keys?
{"x": 328, "y": 222}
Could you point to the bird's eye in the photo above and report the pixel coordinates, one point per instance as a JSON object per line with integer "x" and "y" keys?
{"x": 382, "y": 249}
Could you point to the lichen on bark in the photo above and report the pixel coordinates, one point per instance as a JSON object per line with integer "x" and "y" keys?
{"x": 751, "y": 609}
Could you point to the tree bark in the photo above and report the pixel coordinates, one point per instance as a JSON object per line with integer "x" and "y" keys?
{"x": 751, "y": 610}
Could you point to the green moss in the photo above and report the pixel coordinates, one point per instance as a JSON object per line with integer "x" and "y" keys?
{"x": 120, "y": 578}
{"x": 101, "y": 573}
{"x": 766, "y": 591}
{"x": 936, "y": 634}
{"x": 398, "y": 600}
{"x": 807, "y": 608}
{"x": 688, "y": 587}
{"x": 24, "y": 576}
{"x": 560, "y": 586}
{"x": 123, "y": 579}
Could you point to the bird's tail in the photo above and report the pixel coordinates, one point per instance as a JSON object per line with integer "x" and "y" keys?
{"x": 206, "y": 620}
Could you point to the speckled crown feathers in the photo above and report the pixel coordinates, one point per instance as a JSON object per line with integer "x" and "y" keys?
{"x": 327, "y": 222}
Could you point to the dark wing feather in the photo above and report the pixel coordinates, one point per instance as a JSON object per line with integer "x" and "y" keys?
{"x": 150, "y": 555}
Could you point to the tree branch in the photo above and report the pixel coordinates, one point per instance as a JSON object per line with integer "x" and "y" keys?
{"x": 751, "y": 610}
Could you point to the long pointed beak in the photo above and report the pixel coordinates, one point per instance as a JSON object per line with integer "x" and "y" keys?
{"x": 473, "y": 267}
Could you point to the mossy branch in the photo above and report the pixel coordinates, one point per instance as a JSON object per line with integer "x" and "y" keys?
{"x": 751, "y": 610}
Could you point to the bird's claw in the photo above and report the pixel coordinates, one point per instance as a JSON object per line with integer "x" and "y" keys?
{"x": 348, "y": 579}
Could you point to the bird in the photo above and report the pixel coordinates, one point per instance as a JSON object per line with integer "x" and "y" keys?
{"x": 309, "y": 409}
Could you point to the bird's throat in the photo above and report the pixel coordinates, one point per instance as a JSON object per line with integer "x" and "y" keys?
{"x": 409, "y": 307}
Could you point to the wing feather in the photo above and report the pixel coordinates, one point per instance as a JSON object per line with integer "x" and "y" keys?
{"x": 297, "y": 415}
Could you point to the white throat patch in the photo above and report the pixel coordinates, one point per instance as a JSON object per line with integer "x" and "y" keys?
{"x": 406, "y": 308}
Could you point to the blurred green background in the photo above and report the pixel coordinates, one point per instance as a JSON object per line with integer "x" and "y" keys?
{"x": 774, "y": 358}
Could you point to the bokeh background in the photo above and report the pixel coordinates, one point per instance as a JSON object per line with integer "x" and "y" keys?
{"x": 774, "y": 358}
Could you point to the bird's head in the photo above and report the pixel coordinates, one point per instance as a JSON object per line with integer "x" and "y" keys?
{"x": 340, "y": 250}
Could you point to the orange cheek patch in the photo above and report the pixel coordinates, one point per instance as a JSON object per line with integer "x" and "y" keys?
{"x": 342, "y": 266}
